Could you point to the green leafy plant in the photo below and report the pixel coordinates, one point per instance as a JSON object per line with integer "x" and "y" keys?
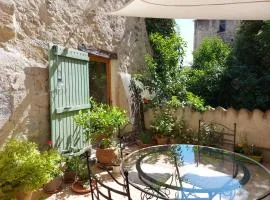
{"x": 146, "y": 137}
{"x": 245, "y": 148}
{"x": 24, "y": 168}
{"x": 211, "y": 135}
{"x": 100, "y": 123}
{"x": 70, "y": 163}
{"x": 212, "y": 52}
{"x": 163, "y": 123}
{"x": 82, "y": 171}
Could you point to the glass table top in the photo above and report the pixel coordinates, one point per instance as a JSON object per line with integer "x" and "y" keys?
{"x": 195, "y": 172}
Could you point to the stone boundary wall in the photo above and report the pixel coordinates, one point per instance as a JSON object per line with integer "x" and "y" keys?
{"x": 254, "y": 124}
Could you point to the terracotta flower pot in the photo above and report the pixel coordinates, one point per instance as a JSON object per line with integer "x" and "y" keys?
{"x": 106, "y": 156}
{"x": 69, "y": 177}
{"x": 20, "y": 195}
{"x": 53, "y": 186}
{"x": 161, "y": 140}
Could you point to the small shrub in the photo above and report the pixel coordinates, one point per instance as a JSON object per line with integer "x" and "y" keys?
{"x": 101, "y": 122}
{"x": 24, "y": 168}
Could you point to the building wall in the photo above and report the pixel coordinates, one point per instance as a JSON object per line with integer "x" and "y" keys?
{"x": 26, "y": 29}
{"x": 208, "y": 28}
{"x": 253, "y": 124}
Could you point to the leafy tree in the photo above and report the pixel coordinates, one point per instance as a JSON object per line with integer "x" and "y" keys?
{"x": 236, "y": 78}
{"x": 163, "y": 76}
{"x": 165, "y": 27}
{"x": 212, "y": 52}
{"x": 160, "y": 76}
{"x": 252, "y": 46}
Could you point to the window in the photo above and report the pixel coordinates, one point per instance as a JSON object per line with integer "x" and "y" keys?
{"x": 222, "y": 26}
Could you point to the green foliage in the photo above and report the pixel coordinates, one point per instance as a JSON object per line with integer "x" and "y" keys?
{"x": 82, "y": 170}
{"x": 213, "y": 52}
{"x": 220, "y": 75}
{"x": 196, "y": 102}
{"x": 164, "y": 27}
{"x": 71, "y": 163}
{"x": 215, "y": 78}
{"x": 206, "y": 84}
{"x": 166, "y": 80}
{"x": 210, "y": 135}
{"x": 182, "y": 134}
{"x": 100, "y": 122}
{"x": 241, "y": 87}
{"x": 160, "y": 76}
{"x": 245, "y": 148}
{"x": 253, "y": 44}
{"x": 24, "y": 168}
{"x": 146, "y": 137}
{"x": 163, "y": 123}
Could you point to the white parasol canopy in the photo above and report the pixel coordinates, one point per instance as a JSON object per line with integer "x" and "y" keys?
{"x": 198, "y": 9}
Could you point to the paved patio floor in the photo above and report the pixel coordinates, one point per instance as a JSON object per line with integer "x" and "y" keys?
{"x": 67, "y": 194}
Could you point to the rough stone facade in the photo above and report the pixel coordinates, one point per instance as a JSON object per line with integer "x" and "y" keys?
{"x": 207, "y": 28}
{"x": 26, "y": 29}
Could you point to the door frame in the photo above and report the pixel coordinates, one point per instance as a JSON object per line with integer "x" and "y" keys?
{"x": 108, "y": 72}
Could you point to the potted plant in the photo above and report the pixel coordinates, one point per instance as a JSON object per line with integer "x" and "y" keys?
{"x": 145, "y": 139}
{"x": 56, "y": 173}
{"x": 81, "y": 183}
{"x": 100, "y": 124}
{"x": 249, "y": 150}
{"x": 70, "y": 168}
{"x": 163, "y": 125}
{"x": 178, "y": 132}
{"x": 24, "y": 169}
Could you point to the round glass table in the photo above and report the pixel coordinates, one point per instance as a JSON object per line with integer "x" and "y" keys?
{"x": 195, "y": 172}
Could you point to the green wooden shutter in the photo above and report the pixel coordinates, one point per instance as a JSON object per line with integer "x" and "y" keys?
{"x": 69, "y": 93}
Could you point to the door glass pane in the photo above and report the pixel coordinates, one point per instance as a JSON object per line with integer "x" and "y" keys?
{"x": 98, "y": 81}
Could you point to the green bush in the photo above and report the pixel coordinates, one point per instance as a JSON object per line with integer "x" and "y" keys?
{"x": 163, "y": 122}
{"x": 24, "y": 168}
{"x": 239, "y": 78}
{"x": 100, "y": 123}
{"x": 212, "y": 52}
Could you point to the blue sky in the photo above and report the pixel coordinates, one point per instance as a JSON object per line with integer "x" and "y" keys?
{"x": 186, "y": 27}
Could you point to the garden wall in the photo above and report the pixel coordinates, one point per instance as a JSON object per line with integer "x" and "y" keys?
{"x": 254, "y": 124}
{"x": 26, "y": 29}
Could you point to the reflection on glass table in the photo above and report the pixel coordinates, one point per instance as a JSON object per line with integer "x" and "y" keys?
{"x": 195, "y": 172}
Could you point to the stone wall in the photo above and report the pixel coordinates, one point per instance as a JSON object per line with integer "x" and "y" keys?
{"x": 26, "y": 29}
{"x": 208, "y": 28}
{"x": 255, "y": 125}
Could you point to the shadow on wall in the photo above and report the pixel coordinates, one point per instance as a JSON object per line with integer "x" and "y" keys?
{"x": 30, "y": 118}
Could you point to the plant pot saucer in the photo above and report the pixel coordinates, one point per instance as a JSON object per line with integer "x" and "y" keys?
{"x": 78, "y": 187}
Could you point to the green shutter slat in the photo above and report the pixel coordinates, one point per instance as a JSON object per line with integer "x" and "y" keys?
{"x": 74, "y": 95}
{"x": 69, "y": 53}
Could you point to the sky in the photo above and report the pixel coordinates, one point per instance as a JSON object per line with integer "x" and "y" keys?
{"x": 186, "y": 27}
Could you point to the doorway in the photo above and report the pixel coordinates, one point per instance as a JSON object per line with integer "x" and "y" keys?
{"x": 100, "y": 79}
